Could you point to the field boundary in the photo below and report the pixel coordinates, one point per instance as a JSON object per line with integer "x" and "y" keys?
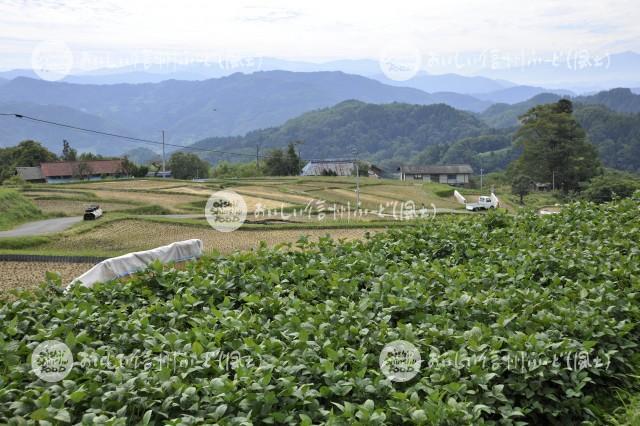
{"x": 49, "y": 258}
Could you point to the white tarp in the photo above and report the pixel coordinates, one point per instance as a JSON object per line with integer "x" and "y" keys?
{"x": 495, "y": 200}
{"x": 459, "y": 197}
{"x": 128, "y": 264}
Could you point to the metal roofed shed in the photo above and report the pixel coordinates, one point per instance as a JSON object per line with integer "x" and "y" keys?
{"x": 452, "y": 174}
{"x": 31, "y": 174}
{"x": 329, "y": 167}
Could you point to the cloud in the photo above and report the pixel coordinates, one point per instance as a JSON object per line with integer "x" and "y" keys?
{"x": 268, "y": 15}
{"x": 314, "y": 29}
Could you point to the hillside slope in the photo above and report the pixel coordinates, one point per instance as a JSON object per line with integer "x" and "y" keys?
{"x": 15, "y": 130}
{"x": 618, "y": 100}
{"x": 387, "y": 134}
{"x": 15, "y": 209}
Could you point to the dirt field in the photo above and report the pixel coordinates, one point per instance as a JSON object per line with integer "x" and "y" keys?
{"x": 28, "y": 275}
{"x": 132, "y": 235}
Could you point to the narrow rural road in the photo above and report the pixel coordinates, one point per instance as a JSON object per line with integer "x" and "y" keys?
{"x": 42, "y": 227}
{"x": 59, "y": 224}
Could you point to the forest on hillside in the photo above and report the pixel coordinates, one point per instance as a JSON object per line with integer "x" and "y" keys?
{"x": 393, "y": 134}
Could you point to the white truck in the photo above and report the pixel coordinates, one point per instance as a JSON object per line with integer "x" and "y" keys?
{"x": 484, "y": 203}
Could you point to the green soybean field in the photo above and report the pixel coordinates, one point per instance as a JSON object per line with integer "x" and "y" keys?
{"x": 521, "y": 319}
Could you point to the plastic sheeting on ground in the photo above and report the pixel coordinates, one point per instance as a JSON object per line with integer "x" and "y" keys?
{"x": 130, "y": 263}
{"x": 459, "y": 197}
{"x": 495, "y": 200}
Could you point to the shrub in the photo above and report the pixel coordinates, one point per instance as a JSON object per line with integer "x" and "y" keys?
{"x": 444, "y": 193}
{"x": 606, "y": 187}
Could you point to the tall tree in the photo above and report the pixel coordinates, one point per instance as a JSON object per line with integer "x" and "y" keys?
{"x": 283, "y": 163}
{"x": 185, "y": 165}
{"x": 68, "y": 153}
{"x": 521, "y": 186}
{"x": 294, "y": 163}
{"x": 27, "y": 153}
{"x": 554, "y": 147}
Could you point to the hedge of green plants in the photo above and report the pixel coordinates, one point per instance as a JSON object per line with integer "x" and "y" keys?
{"x": 518, "y": 320}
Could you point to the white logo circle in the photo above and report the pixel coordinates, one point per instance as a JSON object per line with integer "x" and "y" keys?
{"x": 400, "y": 63}
{"x": 226, "y": 211}
{"x": 52, "y": 361}
{"x": 400, "y": 361}
{"x": 52, "y": 60}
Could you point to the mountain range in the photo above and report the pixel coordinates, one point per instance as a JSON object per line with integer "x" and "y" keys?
{"x": 192, "y": 110}
{"x": 328, "y": 110}
{"x": 394, "y": 134}
{"x": 503, "y": 115}
{"x": 577, "y": 71}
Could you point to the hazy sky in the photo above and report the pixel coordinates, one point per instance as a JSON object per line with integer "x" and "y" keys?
{"x": 109, "y": 31}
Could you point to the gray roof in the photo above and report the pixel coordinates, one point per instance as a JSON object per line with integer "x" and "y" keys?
{"x": 30, "y": 173}
{"x": 340, "y": 167}
{"x": 438, "y": 169}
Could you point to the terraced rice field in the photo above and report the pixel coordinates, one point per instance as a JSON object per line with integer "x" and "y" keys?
{"x": 61, "y": 193}
{"x": 132, "y": 235}
{"x": 274, "y": 194}
{"x": 192, "y": 189}
{"x": 170, "y": 201}
{"x": 126, "y": 184}
{"x": 416, "y": 193}
{"x": 76, "y": 207}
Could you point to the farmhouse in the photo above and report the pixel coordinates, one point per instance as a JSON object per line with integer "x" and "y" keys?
{"x": 337, "y": 168}
{"x": 453, "y": 174}
{"x": 65, "y": 171}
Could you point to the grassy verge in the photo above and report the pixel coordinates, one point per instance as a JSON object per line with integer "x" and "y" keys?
{"x": 16, "y": 209}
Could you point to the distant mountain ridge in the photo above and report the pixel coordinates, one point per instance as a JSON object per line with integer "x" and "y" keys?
{"x": 578, "y": 71}
{"x": 516, "y": 94}
{"x": 14, "y": 130}
{"x": 233, "y": 105}
{"x": 619, "y": 100}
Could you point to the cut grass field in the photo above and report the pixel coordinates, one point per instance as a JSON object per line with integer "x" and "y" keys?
{"x": 74, "y": 207}
{"x": 123, "y": 236}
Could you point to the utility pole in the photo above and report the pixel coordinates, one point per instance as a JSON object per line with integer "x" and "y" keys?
{"x": 355, "y": 155}
{"x": 481, "y": 170}
{"x": 258, "y": 157}
{"x": 298, "y": 143}
{"x": 553, "y": 180}
{"x": 163, "y": 161}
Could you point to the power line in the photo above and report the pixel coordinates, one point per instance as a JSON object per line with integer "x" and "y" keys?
{"x": 130, "y": 138}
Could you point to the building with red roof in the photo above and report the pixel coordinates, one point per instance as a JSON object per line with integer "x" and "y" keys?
{"x": 65, "y": 171}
